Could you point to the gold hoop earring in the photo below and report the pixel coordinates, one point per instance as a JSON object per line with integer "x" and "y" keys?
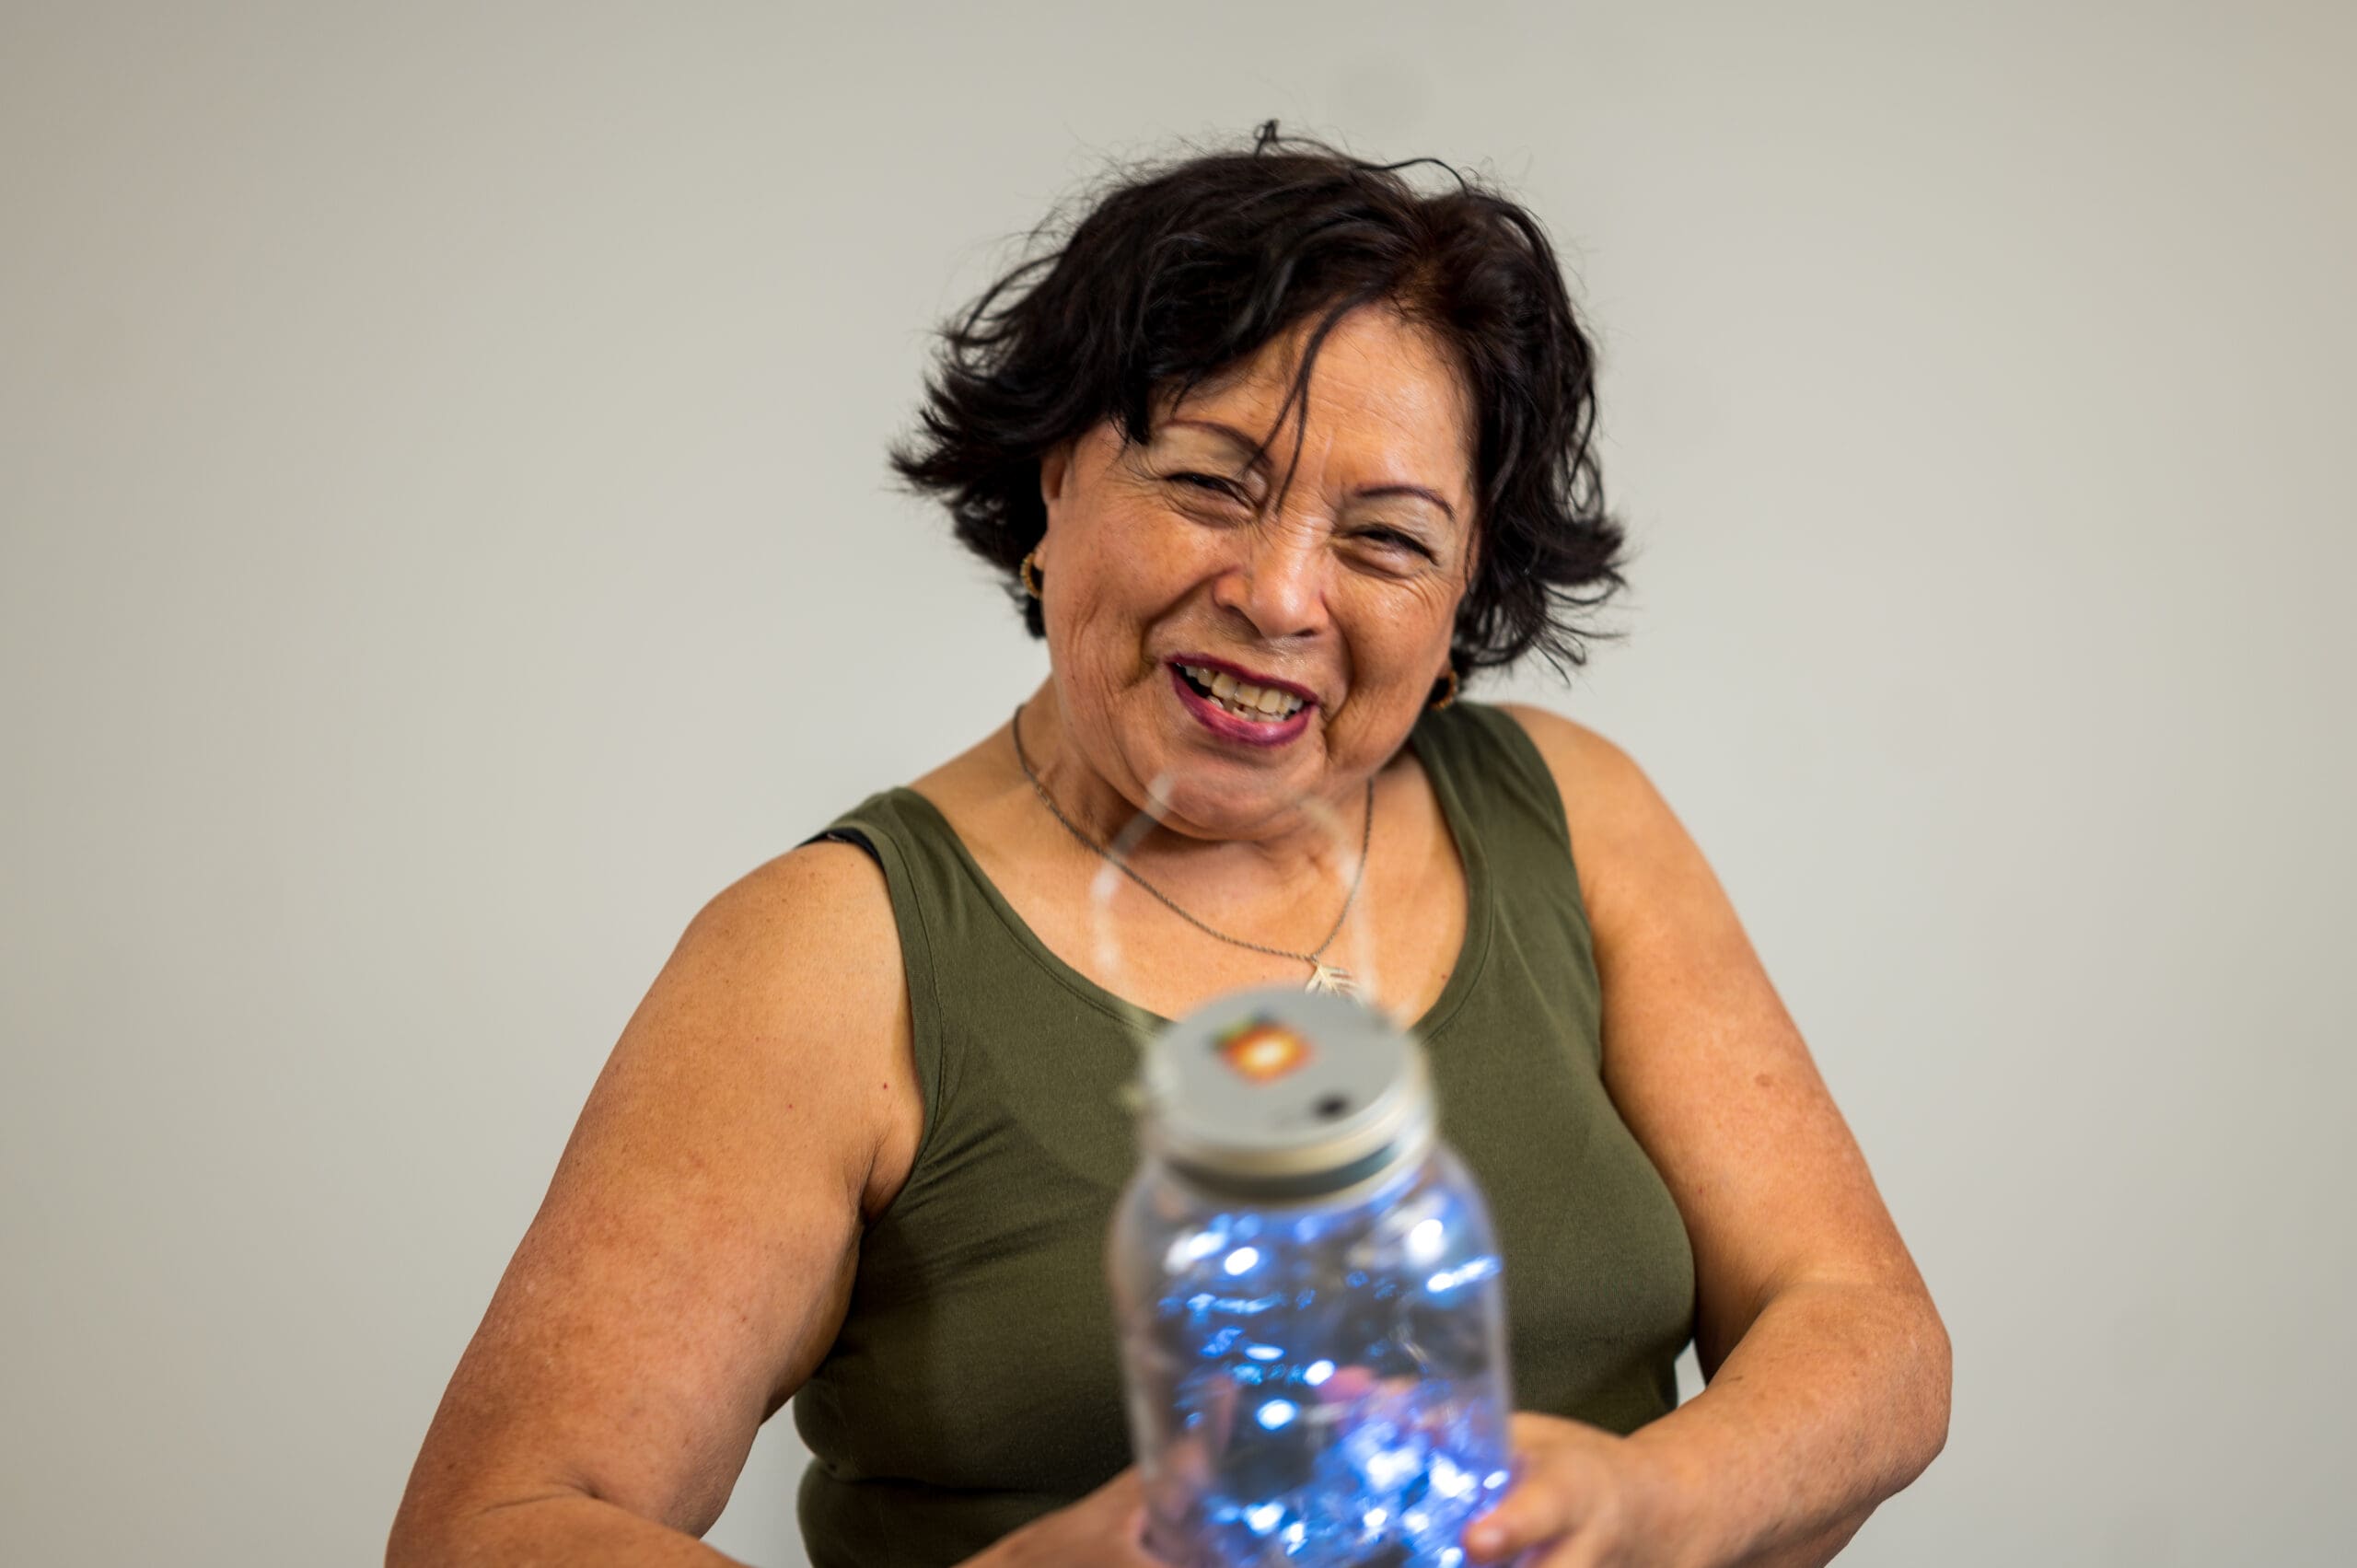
{"x": 1450, "y": 696}
{"x": 1029, "y": 572}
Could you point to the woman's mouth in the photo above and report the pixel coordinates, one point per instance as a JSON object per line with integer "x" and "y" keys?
{"x": 1263, "y": 704}
{"x": 1259, "y": 716}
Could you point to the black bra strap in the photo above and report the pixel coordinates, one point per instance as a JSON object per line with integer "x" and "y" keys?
{"x": 845, "y": 836}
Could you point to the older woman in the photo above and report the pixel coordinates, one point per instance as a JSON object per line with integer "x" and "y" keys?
{"x": 1274, "y": 450}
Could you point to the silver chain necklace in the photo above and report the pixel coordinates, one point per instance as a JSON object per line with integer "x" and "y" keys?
{"x": 1323, "y": 976}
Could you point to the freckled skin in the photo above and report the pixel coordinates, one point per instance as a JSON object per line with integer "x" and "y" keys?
{"x": 1350, "y": 595}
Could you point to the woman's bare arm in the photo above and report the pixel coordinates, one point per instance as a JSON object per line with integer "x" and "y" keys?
{"x": 692, "y": 1261}
{"x": 1828, "y": 1364}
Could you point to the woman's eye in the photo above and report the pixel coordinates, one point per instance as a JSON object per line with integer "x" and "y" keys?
{"x": 1205, "y": 482}
{"x": 1394, "y": 539}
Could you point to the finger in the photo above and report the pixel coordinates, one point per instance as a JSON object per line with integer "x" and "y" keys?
{"x": 1523, "y": 1517}
{"x": 1135, "y": 1523}
{"x": 1124, "y": 1498}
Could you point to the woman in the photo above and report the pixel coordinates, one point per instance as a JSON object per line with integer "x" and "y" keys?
{"x": 1274, "y": 452}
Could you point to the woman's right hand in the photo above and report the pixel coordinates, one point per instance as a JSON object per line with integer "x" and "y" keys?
{"x": 1104, "y": 1529}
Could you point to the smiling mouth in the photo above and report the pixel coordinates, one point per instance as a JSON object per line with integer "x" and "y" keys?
{"x": 1255, "y": 705}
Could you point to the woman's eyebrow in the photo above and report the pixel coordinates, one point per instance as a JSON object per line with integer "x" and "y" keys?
{"x": 1417, "y": 490}
{"x": 1367, "y": 492}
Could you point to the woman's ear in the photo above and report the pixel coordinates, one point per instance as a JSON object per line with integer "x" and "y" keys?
{"x": 1053, "y": 468}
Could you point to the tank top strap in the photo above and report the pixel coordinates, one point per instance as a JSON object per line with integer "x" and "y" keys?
{"x": 1482, "y": 755}
{"x": 982, "y": 991}
{"x": 926, "y": 882}
{"x": 1495, "y": 768}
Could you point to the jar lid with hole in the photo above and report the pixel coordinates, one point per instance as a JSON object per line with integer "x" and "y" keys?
{"x": 1278, "y": 1094}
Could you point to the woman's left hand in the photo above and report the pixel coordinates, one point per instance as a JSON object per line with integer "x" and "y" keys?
{"x": 1581, "y": 1497}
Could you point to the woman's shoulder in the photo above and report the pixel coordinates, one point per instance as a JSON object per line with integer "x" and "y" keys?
{"x": 809, "y": 930}
{"x": 1545, "y": 762}
{"x": 1623, "y": 831}
{"x": 818, "y": 879}
{"x": 808, "y": 952}
{"x": 1581, "y": 759}
{"x": 1599, "y": 780}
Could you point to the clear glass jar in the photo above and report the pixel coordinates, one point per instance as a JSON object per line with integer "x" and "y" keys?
{"x": 1309, "y": 1296}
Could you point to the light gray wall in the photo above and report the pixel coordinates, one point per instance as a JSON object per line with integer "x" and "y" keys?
{"x": 446, "y": 540}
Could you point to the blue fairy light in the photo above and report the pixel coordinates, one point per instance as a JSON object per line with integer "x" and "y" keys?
{"x": 1316, "y": 1381}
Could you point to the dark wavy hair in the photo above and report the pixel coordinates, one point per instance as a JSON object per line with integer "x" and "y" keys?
{"x": 1180, "y": 270}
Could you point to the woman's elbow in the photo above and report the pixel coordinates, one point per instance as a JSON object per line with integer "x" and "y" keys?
{"x": 1930, "y": 1388}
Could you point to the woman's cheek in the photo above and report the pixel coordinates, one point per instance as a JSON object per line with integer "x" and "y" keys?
{"x": 1402, "y": 631}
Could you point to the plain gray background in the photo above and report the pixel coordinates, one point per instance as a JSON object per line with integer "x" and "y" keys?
{"x": 446, "y": 540}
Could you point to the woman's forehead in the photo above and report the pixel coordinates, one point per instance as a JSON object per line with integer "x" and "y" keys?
{"x": 1382, "y": 394}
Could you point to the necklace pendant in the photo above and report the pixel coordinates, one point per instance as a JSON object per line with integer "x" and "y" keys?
{"x": 1333, "y": 978}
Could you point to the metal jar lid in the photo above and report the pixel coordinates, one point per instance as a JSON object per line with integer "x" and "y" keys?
{"x": 1277, "y": 1093}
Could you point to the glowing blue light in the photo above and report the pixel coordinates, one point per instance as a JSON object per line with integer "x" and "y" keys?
{"x": 1464, "y": 1274}
{"x": 1193, "y": 1249}
{"x": 1391, "y": 1473}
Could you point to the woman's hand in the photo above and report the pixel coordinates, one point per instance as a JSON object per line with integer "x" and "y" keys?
{"x": 1582, "y": 1498}
{"x": 1104, "y": 1529}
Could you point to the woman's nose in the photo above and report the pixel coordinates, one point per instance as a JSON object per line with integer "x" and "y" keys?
{"x": 1280, "y": 584}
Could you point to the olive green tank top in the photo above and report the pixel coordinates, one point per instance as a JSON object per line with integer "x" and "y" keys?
{"x": 975, "y": 1382}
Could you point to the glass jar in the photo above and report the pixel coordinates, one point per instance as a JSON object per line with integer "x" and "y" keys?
{"x": 1309, "y": 1296}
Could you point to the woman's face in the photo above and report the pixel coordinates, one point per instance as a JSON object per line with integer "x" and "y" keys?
{"x": 1169, "y": 563}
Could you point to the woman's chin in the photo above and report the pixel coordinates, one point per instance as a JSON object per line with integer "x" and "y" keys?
{"x": 1221, "y": 810}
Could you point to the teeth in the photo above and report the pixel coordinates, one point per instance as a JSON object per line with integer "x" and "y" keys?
{"x": 1241, "y": 697}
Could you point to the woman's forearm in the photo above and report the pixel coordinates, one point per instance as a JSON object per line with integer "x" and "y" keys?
{"x": 572, "y": 1529}
{"x": 1836, "y": 1396}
